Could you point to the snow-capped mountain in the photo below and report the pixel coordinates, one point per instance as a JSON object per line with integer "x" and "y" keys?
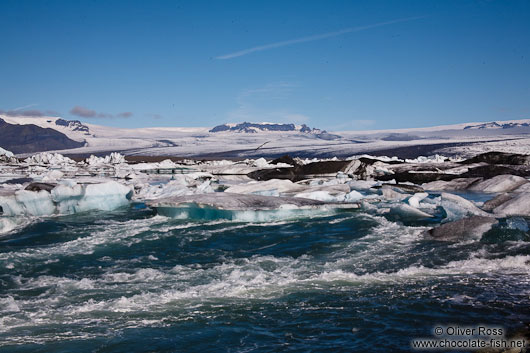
{"x": 496, "y": 125}
{"x": 74, "y": 125}
{"x": 252, "y": 128}
{"x": 247, "y": 127}
{"x": 248, "y": 139}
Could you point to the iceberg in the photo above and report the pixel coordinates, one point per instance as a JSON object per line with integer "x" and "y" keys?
{"x": 463, "y": 229}
{"x": 391, "y": 193}
{"x": 113, "y": 158}
{"x": 415, "y": 200}
{"x": 181, "y": 184}
{"x": 49, "y": 159}
{"x": 455, "y": 184}
{"x": 241, "y": 207}
{"x": 458, "y": 207}
{"x": 518, "y": 205}
{"x": 272, "y": 187}
{"x": 331, "y": 196}
{"x": 7, "y": 156}
{"x": 408, "y": 213}
{"x": 66, "y": 199}
{"x": 500, "y": 183}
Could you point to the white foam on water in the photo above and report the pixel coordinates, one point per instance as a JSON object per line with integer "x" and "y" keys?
{"x": 150, "y": 290}
{"x": 109, "y": 233}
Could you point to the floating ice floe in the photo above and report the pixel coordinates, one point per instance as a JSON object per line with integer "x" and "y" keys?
{"x": 517, "y": 204}
{"x": 457, "y": 207}
{"x": 113, "y": 158}
{"x": 455, "y": 184}
{"x": 272, "y": 187}
{"x": 390, "y": 192}
{"x": 499, "y": 183}
{"x": 241, "y": 207}
{"x": 385, "y": 159}
{"x": 331, "y": 196}
{"x": 6, "y": 153}
{"x": 7, "y": 156}
{"x": 181, "y": 184}
{"x": 463, "y": 229}
{"x": 414, "y": 200}
{"x": 66, "y": 199}
{"x": 406, "y": 212}
{"x": 429, "y": 159}
{"x": 49, "y": 159}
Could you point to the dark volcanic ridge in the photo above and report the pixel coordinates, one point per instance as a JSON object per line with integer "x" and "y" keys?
{"x": 32, "y": 138}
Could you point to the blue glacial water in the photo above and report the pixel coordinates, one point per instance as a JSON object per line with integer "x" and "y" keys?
{"x": 131, "y": 281}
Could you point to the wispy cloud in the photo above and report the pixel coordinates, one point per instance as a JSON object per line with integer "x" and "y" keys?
{"x": 125, "y": 115}
{"x": 90, "y": 113}
{"x": 28, "y": 113}
{"x": 83, "y": 112}
{"x": 313, "y": 38}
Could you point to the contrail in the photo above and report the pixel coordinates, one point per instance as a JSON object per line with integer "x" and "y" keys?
{"x": 24, "y": 107}
{"x": 312, "y": 38}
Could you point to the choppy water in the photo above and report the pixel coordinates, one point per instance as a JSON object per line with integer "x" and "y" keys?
{"x": 130, "y": 281}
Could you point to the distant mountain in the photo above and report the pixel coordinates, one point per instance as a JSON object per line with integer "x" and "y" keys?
{"x": 495, "y": 125}
{"x": 32, "y": 138}
{"x": 252, "y": 128}
{"x": 74, "y": 125}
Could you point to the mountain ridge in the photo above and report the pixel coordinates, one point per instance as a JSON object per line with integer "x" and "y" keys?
{"x": 33, "y": 138}
{"x": 252, "y": 128}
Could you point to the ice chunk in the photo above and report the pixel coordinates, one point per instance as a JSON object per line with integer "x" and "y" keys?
{"x": 182, "y": 184}
{"x": 362, "y": 184}
{"x": 260, "y": 163}
{"x": 523, "y": 188}
{"x": 455, "y": 184}
{"x": 463, "y": 229}
{"x": 236, "y": 206}
{"x": 379, "y": 158}
{"x": 458, "y": 207}
{"x": 390, "y": 193}
{"x": 66, "y": 199}
{"x": 330, "y": 196}
{"x": 105, "y": 197}
{"x": 7, "y": 156}
{"x": 353, "y": 196}
{"x": 498, "y": 200}
{"x": 430, "y": 159}
{"x": 53, "y": 175}
{"x": 49, "y": 158}
{"x": 113, "y": 158}
{"x": 414, "y": 200}
{"x": 230, "y": 201}
{"x": 406, "y": 212}
{"x": 518, "y": 205}
{"x": 272, "y": 187}
{"x": 324, "y": 196}
{"x": 6, "y": 153}
{"x": 500, "y": 183}
{"x": 35, "y": 203}
{"x": 167, "y": 164}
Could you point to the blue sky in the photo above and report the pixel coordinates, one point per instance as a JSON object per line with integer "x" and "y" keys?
{"x": 338, "y": 65}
